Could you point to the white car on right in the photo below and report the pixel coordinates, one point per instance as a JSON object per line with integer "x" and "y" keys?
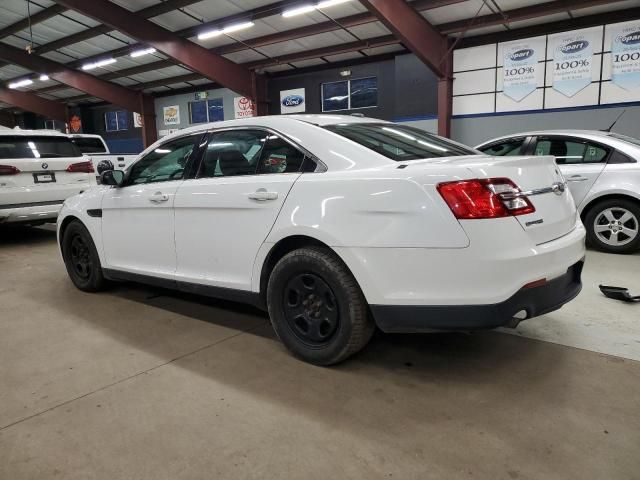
{"x": 603, "y": 174}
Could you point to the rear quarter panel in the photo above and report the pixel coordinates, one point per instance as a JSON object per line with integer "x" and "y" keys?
{"x": 616, "y": 179}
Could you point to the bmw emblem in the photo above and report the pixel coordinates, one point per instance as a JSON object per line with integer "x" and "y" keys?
{"x": 45, "y": 166}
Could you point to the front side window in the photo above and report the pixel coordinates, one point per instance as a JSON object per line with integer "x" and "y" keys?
{"x": 37, "y": 147}
{"x": 399, "y": 142}
{"x": 350, "y": 94}
{"x": 505, "y": 148}
{"x": 570, "y": 151}
{"x": 232, "y": 152}
{"x": 166, "y": 162}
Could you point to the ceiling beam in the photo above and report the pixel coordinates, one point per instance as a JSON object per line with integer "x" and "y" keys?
{"x": 413, "y": 30}
{"x": 41, "y": 16}
{"x": 30, "y": 102}
{"x": 551, "y": 28}
{"x": 198, "y": 58}
{"x": 110, "y": 92}
{"x": 519, "y": 14}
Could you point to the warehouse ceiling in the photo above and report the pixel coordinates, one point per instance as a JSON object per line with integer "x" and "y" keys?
{"x": 274, "y": 38}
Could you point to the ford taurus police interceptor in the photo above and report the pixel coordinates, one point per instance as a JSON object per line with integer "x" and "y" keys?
{"x": 39, "y": 169}
{"x": 334, "y": 224}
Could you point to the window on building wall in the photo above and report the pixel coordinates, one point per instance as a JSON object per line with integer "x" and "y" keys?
{"x": 116, "y": 120}
{"x": 350, "y": 94}
{"x": 205, "y": 111}
{"x": 50, "y": 125}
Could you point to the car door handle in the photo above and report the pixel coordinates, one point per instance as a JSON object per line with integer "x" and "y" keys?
{"x": 262, "y": 195}
{"x": 577, "y": 178}
{"x": 159, "y": 197}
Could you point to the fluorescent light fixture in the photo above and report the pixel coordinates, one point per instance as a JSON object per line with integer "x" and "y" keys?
{"x": 298, "y": 11}
{"x": 330, "y": 3}
{"x": 44, "y": 78}
{"x": 21, "y": 83}
{"x": 225, "y": 30}
{"x": 141, "y": 52}
{"x": 99, "y": 63}
{"x": 310, "y": 8}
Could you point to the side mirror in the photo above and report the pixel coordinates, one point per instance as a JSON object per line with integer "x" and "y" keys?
{"x": 112, "y": 177}
{"x": 105, "y": 165}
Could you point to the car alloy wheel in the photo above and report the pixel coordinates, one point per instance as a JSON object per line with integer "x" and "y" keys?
{"x": 616, "y": 226}
{"x": 311, "y": 309}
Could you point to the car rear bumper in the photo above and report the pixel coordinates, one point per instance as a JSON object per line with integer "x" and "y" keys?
{"x": 534, "y": 301}
{"x": 30, "y": 212}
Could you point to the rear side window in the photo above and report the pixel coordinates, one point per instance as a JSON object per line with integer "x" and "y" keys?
{"x": 279, "y": 156}
{"x": 233, "y": 152}
{"x": 37, "y": 147}
{"x": 506, "y": 148}
{"x": 89, "y": 145}
{"x": 571, "y": 151}
{"x": 399, "y": 142}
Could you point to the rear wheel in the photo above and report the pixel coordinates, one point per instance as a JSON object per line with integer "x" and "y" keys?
{"x": 81, "y": 258}
{"x": 317, "y": 308}
{"x": 614, "y": 226}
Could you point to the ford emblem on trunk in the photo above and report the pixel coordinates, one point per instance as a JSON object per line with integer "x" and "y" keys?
{"x": 45, "y": 166}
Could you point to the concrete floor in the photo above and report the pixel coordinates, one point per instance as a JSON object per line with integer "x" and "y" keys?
{"x": 141, "y": 383}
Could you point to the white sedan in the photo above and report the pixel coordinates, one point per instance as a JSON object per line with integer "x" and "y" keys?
{"x": 602, "y": 172}
{"x": 334, "y": 224}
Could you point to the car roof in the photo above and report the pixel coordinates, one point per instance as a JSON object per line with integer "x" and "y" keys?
{"x": 31, "y": 133}
{"x": 84, "y": 135}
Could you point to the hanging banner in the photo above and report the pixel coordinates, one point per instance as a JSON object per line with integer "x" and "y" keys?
{"x": 520, "y": 62}
{"x": 572, "y": 62}
{"x": 625, "y": 55}
{"x": 292, "y": 101}
{"x": 171, "y": 115}
{"x": 243, "y": 107}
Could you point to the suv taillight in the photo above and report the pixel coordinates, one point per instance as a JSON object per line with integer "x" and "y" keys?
{"x": 485, "y": 198}
{"x": 9, "y": 170}
{"x": 81, "y": 167}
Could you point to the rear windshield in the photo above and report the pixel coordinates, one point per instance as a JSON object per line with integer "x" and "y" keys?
{"x": 89, "y": 145}
{"x": 399, "y": 142}
{"x": 37, "y": 147}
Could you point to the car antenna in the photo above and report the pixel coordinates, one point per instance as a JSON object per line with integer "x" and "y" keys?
{"x": 615, "y": 121}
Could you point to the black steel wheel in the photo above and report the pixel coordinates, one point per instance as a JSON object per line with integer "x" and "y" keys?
{"x": 317, "y": 308}
{"x": 81, "y": 258}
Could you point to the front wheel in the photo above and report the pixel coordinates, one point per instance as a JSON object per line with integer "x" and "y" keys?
{"x": 614, "y": 226}
{"x": 81, "y": 258}
{"x": 317, "y": 308}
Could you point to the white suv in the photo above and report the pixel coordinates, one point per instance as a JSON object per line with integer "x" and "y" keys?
{"x": 39, "y": 169}
{"x": 334, "y": 224}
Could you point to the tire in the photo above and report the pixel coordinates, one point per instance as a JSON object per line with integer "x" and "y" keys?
{"x": 317, "y": 308}
{"x": 81, "y": 258}
{"x": 614, "y": 226}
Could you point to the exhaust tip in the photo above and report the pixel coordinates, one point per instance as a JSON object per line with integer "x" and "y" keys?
{"x": 517, "y": 318}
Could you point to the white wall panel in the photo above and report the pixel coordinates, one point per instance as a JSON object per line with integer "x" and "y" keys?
{"x": 470, "y": 104}
{"x": 611, "y": 93}
{"x": 586, "y": 96}
{"x": 474, "y": 58}
{"x": 479, "y": 81}
{"x": 530, "y": 102}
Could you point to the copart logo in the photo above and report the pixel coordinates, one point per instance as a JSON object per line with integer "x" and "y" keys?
{"x": 292, "y": 100}
{"x": 521, "y": 54}
{"x": 574, "y": 47}
{"x": 630, "y": 38}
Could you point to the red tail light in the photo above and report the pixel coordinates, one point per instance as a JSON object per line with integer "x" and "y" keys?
{"x": 81, "y": 167}
{"x": 485, "y": 198}
{"x": 8, "y": 170}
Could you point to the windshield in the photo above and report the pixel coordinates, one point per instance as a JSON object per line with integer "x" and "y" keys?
{"x": 624, "y": 138}
{"x": 37, "y": 147}
{"x": 89, "y": 144}
{"x": 399, "y": 142}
